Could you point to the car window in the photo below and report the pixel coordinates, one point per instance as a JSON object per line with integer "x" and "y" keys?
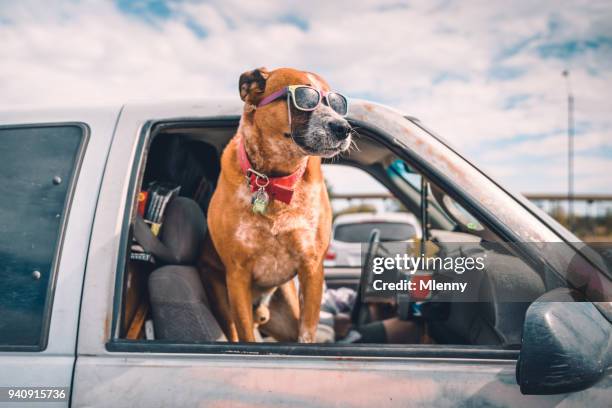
{"x": 352, "y": 189}
{"x": 456, "y": 284}
{"x": 359, "y": 232}
{"x": 368, "y": 204}
{"x": 37, "y": 165}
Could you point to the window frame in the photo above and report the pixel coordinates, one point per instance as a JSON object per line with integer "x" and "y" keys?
{"x": 58, "y": 250}
{"x": 117, "y": 344}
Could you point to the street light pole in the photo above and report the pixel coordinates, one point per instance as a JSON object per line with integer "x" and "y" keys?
{"x": 570, "y": 150}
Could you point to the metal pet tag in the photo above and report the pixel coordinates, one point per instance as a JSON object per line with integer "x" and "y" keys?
{"x": 260, "y": 201}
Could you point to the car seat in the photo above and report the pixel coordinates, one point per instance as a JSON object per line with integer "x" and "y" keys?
{"x": 505, "y": 289}
{"x": 180, "y": 308}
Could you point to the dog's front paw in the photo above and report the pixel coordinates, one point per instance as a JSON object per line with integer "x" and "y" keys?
{"x": 306, "y": 338}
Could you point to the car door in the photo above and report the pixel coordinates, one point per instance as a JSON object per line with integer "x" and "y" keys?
{"x": 51, "y": 165}
{"x": 111, "y": 371}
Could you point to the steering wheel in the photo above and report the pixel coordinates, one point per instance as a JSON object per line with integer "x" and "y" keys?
{"x": 373, "y": 248}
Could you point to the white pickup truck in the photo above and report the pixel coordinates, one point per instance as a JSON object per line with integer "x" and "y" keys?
{"x": 73, "y": 301}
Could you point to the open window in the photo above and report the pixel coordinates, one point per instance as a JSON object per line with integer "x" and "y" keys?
{"x": 179, "y": 167}
{"x": 358, "y": 207}
{"x": 179, "y": 171}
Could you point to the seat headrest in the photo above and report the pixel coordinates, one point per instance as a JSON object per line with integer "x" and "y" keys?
{"x": 181, "y": 236}
{"x": 183, "y": 229}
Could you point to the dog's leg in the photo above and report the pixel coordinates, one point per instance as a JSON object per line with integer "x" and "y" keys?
{"x": 221, "y": 308}
{"x": 212, "y": 274}
{"x": 311, "y": 291}
{"x": 241, "y": 303}
{"x": 284, "y": 314}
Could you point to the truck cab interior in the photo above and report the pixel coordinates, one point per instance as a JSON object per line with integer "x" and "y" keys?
{"x": 163, "y": 298}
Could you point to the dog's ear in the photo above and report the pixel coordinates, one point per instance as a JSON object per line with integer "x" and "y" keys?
{"x": 252, "y": 85}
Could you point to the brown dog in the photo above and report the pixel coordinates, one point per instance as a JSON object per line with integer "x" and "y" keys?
{"x": 270, "y": 218}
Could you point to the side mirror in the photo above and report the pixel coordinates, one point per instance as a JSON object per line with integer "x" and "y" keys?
{"x": 566, "y": 345}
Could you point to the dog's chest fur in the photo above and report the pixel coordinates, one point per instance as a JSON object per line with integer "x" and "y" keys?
{"x": 278, "y": 243}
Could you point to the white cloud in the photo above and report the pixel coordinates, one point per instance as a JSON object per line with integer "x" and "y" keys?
{"x": 449, "y": 63}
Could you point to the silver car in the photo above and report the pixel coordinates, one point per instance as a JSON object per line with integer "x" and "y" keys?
{"x": 74, "y": 304}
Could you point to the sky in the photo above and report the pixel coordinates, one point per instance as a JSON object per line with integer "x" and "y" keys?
{"x": 486, "y": 75}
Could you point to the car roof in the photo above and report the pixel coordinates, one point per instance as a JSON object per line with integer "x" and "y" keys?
{"x": 184, "y": 107}
{"x": 405, "y": 217}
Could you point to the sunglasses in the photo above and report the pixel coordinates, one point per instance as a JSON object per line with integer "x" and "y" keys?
{"x": 307, "y": 98}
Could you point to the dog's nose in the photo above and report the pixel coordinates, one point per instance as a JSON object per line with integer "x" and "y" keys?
{"x": 339, "y": 129}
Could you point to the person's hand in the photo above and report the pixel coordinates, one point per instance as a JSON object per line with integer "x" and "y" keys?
{"x": 342, "y": 325}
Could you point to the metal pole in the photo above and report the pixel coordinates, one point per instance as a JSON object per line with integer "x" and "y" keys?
{"x": 570, "y": 151}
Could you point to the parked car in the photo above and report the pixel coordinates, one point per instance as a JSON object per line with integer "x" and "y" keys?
{"x": 351, "y": 231}
{"x": 73, "y": 300}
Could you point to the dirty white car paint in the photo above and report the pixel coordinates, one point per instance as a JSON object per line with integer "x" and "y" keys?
{"x": 81, "y": 354}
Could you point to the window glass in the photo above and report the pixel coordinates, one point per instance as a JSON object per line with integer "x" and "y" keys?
{"x": 36, "y": 164}
{"x": 461, "y": 214}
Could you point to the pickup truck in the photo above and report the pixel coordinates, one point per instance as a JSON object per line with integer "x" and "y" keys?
{"x": 73, "y": 301}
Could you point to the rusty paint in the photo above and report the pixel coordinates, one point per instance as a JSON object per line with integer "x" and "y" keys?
{"x": 107, "y": 324}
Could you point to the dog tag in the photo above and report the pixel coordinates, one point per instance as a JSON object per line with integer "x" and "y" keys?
{"x": 260, "y": 201}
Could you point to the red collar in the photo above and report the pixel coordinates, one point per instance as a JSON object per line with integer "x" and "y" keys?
{"x": 278, "y": 188}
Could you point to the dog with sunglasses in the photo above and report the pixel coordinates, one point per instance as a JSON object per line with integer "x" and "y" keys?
{"x": 269, "y": 218}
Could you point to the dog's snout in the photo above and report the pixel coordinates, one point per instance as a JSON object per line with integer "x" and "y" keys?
{"x": 339, "y": 129}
